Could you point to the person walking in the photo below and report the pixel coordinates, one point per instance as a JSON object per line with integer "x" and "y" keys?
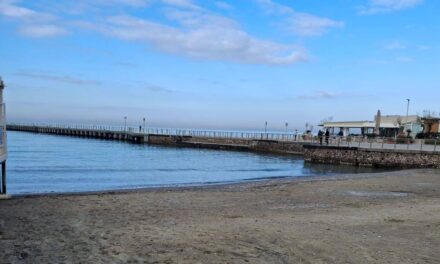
{"x": 327, "y": 136}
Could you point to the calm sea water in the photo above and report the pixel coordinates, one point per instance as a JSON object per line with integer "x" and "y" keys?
{"x": 41, "y": 163}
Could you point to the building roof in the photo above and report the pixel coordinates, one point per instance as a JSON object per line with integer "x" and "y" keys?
{"x": 386, "y": 121}
{"x": 349, "y": 124}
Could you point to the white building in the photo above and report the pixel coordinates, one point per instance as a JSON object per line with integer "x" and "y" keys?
{"x": 389, "y": 126}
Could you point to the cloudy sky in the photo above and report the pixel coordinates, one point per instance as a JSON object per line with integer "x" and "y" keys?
{"x": 218, "y": 64}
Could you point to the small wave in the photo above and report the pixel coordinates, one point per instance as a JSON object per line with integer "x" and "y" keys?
{"x": 97, "y": 170}
{"x": 268, "y": 178}
{"x": 256, "y": 170}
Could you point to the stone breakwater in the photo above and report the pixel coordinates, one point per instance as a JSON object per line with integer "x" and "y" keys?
{"x": 371, "y": 157}
{"x": 257, "y": 145}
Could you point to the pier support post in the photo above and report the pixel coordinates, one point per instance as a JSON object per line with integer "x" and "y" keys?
{"x": 3, "y": 187}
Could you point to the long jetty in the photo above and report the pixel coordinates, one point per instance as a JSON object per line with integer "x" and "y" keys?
{"x": 356, "y": 151}
{"x": 286, "y": 143}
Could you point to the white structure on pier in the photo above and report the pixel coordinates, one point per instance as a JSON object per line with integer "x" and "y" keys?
{"x": 3, "y": 147}
{"x": 387, "y": 125}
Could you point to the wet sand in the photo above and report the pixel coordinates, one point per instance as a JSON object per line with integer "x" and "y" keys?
{"x": 391, "y": 217}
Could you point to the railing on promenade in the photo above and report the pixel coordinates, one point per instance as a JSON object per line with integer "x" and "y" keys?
{"x": 175, "y": 132}
{"x": 388, "y": 143}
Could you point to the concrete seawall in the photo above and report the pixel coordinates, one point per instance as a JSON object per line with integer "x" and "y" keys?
{"x": 257, "y": 145}
{"x": 371, "y": 157}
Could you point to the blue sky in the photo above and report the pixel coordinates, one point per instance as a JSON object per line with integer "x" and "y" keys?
{"x": 218, "y": 64}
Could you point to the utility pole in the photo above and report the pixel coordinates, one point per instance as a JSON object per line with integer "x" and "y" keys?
{"x": 407, "y": 111}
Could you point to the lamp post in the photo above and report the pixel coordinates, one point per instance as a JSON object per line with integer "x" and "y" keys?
{"x": 407, "y": 111}
{"x": 287, "y": 124}
{"x": 143, "y": 120}
{"x": 265, "y": 127}
{"x": 125, "y": 123}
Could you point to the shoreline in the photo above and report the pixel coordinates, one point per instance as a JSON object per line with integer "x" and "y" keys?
{"x": 207, "y": 186}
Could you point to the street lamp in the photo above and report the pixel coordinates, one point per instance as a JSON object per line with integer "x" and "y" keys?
{"x": 143, "y": 119}
{"x": 407, "y": 107}
{"x": 125, "y": 123}
{"x": 407, "y": 111}
{"x": 287, "y": 124}
{"x": 265, "y": 127}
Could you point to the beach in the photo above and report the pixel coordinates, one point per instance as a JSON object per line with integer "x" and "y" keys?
{"x": 389, "y": 217}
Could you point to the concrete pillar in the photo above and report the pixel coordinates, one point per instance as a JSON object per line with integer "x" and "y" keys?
{"x": 3, "y": 187}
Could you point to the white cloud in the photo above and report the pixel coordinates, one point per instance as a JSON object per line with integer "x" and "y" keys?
{"x": 223, "y": 5}
{"x": 272, "y": 7}
{"x": 424, "y": 47}
{"x": 133, "y": 3}
{"x": 320, "y": 94}
{"x": 32, "y": 23}
{"x": 181, "y": 3}
{"x": 157, "y": 88}
{"x": 395, "y": 4}
{"x": 394, "y": 45}
{"x": 8, "y": 8}
{"x": 394, "y": 60}
{"x": 385, "y": 6}
{"x": 301, "y": 24}
{"x": 404, "y": 59}
{"x": 188, "y": 30}
{"x": 57, "y": 78}
{"x": 201, "y": 35}
{"x": 41, "y": 31}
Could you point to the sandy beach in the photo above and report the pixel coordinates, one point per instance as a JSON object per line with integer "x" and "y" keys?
{"x": 391, "y": 217}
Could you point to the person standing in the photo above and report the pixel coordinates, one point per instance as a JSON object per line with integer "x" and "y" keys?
{"x": 341, "y": 133}
{"x": 327, "y": 136}
{"x": 320, "y": 135}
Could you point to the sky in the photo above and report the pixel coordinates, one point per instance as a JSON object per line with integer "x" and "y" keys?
{"x": 218, "y": 64}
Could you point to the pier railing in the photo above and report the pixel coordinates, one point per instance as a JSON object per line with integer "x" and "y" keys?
{"x": 389, "y": 143}
{"x": 279, "y": 136}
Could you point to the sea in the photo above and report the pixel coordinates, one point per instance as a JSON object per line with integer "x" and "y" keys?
{"x": 40, "y": 164}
